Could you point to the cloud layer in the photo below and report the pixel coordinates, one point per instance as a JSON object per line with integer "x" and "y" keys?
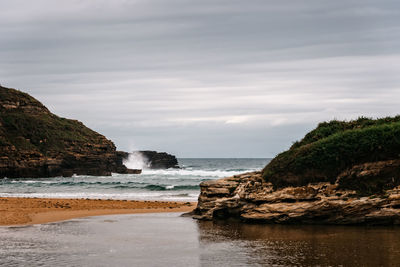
{"x": 204, "y": 78}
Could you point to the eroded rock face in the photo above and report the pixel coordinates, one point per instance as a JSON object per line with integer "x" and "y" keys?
{"x": 249, "y": 198}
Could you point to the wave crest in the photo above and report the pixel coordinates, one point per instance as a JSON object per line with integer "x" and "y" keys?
{"x": 201, "y": 173}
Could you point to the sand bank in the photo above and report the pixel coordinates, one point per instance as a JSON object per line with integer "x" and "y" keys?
{"x": 24, "y": 211}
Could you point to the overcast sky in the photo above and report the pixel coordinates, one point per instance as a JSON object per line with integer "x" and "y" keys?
{"x": 204, "y": 78}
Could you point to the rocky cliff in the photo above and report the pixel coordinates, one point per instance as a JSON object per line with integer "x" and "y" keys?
{"x": 340, "y": 173}
{"x": 36, "y": 143}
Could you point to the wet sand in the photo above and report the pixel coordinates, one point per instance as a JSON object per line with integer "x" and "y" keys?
{"x": 25, "y": 211}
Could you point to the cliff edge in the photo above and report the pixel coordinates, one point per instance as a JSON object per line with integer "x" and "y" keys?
{"x": 36, "y": 143}
{"x": 339, "y": 173}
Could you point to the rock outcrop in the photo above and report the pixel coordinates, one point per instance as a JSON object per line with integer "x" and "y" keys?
{"x": 342, "y": 172}
{"x": 248, "y": 197}
{"x": 36, "y": 143}
{"x": 159, "y": 160}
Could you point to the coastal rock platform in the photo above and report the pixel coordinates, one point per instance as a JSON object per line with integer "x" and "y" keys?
{"x": 248, "y": 197}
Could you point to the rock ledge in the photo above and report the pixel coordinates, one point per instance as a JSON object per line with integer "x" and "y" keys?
{"x": 250, "y": 198}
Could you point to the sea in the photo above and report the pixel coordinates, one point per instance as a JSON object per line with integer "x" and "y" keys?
{"x": 169, "y": 184}
{"x": 168, "y": 239}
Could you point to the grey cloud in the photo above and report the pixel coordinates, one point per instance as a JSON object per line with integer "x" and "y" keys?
{"x": 204, "y": 78}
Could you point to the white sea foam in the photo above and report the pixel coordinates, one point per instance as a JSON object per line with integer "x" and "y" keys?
{"x": 136, "y": 160}
{"x": 188, "y": 172}
{"x": 23, "y": 181}
{"x": 121, "y": 196}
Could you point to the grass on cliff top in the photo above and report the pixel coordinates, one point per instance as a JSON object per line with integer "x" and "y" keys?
{"x": 326, "y": 129}
{"x": 334, "y": 147}
{"x": 14, "y": 95}
{"x": 47, "y": 130}
{"x": 44, "y": 132}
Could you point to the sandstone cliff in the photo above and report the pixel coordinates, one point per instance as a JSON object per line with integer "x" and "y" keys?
{"x": 36, "y": 143}
{"x": 340, "y": 173}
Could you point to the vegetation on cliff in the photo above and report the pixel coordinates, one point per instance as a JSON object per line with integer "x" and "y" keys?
{"x": 43, "y": 131}
{"x": 335, "y": 147}
{"x": 339, "y": 173}
{"x": 35, "y": 142}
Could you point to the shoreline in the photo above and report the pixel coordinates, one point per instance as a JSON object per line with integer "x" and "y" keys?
{"x": 16, "y": 211}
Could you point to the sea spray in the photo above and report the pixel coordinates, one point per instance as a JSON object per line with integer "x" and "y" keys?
{"x": 136, "y": 160}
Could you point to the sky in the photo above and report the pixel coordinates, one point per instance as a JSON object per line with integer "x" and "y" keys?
{"x": 220, "y": 78}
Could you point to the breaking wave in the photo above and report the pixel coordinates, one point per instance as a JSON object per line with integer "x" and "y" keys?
{"x": 171, "y": 184}
{"x": 196, "y": 173}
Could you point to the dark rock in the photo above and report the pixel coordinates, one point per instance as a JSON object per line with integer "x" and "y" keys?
{"x": 159, "y": 160}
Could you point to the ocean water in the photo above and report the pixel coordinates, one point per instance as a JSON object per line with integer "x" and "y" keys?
{"x": 171, "y": 184}
{"x": 166, "y": 239}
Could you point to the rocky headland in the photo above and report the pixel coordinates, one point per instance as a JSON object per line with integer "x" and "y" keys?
{"x": 340, "y": 173}
{"x": 37, "y": 143}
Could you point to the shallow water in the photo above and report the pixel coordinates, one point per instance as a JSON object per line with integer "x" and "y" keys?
{"x": 169, "y": 240}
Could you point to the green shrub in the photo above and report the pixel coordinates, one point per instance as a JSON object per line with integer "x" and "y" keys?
{"x": 332, "y": 148}
{"x": 326, "y": 129}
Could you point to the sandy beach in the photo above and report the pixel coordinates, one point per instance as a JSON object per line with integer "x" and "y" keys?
{"x": 25, "y": 211}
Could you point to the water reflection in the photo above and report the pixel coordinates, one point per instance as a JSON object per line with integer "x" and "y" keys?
{"x": 170, "y": 240}
{"x": 290, "y": 245}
